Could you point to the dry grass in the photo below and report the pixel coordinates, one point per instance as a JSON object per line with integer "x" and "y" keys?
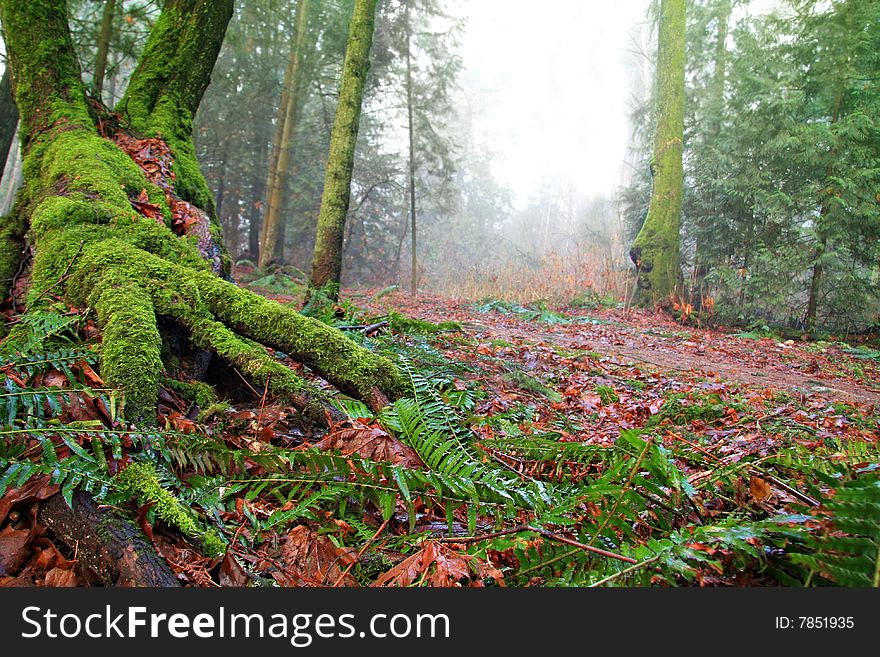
{"x": 591, "y": 275}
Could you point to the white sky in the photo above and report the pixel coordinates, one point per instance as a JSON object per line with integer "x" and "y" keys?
{"x": 555, "y": 88}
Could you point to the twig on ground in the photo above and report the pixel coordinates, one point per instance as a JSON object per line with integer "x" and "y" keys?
{"x": 546, "y": 533}
{"x": 360, "y": 552}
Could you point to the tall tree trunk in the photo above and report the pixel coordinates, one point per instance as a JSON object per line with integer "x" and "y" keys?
{"x": 94, "y": 249}
{"x": 414, "y": 272}
{"x": 272, "y": 235}
{"x": 104, "y": 39}
{"x": 716, "y": 105}
{"x": 656, "y": 250}
{"x": 8, "y": 119}
{"x": 327, "y": 256}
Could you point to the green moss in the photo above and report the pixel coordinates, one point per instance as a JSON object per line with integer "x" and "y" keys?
{"x": 254, "y": 361}
{"x": 94, "y": 250}
{"x": 130, "y": 356}
{"x": 212, "y": 410}
{"x": 166, "y": 88}
{"x": 48, "y": 86}
{"x": 331, "y": 354}
{"x": 531, "y": 384}
{"x": 140, "y": 481}
{"x": 212, "y": 544}
{"x": 327, "y": 255}
{"x": 682, "y": 409}
{"x": 656, "y": 250}
{"x": 607, "y": 394}
{"x": 195, "y": 392}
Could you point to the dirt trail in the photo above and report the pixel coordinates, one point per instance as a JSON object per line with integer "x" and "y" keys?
{"x": 671, "y": 358}
{"x": 823, "y": 371}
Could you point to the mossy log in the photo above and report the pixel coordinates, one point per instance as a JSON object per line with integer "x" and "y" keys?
{"x": 105, "y": 542}
{"x": 94, "y": 248}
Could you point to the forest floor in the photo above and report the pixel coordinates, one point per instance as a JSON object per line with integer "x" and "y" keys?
{"x": 698, "y": 455}
{"x": 654, "y": 342}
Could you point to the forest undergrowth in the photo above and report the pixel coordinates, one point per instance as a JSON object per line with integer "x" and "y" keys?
{"x": 538, "y": 446}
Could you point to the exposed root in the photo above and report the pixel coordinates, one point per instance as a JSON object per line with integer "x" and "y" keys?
{"x": 129, "y": 288}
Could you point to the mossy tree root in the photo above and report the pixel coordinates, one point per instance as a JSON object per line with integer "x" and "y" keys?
{"x": 129, "y": 288}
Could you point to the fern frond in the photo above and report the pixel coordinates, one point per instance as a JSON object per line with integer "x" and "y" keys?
{"x": 847, "y": 551}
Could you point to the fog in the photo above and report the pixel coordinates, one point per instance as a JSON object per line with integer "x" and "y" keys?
{"x": 555, "y": 86}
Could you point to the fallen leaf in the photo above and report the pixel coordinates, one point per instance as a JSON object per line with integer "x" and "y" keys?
{"x": 14, "y": 549}
{"x": 231, "y": 572}
{"x": 36, "y": 489}
{"x": 312, "y": 560}
{"x": 369, "y": 441}
{"x": 61, "y": 578}
{"x": 759, "y": 489}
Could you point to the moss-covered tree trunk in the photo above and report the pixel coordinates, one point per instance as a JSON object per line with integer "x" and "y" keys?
{"x": 656, "y": 250}
{"x": 121, "y": 220}
{"x": 271, "y": 243}
{"x": 327, "y": 257}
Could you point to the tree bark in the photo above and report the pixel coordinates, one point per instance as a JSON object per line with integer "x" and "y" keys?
{"x": 815, "y": 286}
{"x": 414, "y": 272}
{"x": 272, "y": 235}
{"x": 8, "y": 119}
{"x": 327, "y": 256}
{"x": 103, "y": 47}
{"x": 656, "y": 250}
{"x": 716, "y": 105}
{"x": 106, "y": 542}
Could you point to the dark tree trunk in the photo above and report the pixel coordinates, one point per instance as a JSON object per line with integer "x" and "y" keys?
{"x": 106, "y": 542}
{"x": 8, "y": 119}
{"x": 104, "y": 39}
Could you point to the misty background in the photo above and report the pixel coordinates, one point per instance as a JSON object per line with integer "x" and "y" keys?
{"x": 532, "y": 142}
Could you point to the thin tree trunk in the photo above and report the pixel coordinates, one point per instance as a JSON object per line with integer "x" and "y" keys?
{"x": 327, "y": 256}
{"x": 12, "y": 178}
{"x": 716, "y": 104}
{"x": 402, "y": 239}
{"x": 656, "y": 250}
{"x": 414, "y": 275}
{"x": 271, "y": 242}
{"x": 255, "y": 219}
{"x": 818, "y": 268}
{"x": 815, "y": 285}
{"x": 103, "y": 47}
{"x": 8, "y": 119}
